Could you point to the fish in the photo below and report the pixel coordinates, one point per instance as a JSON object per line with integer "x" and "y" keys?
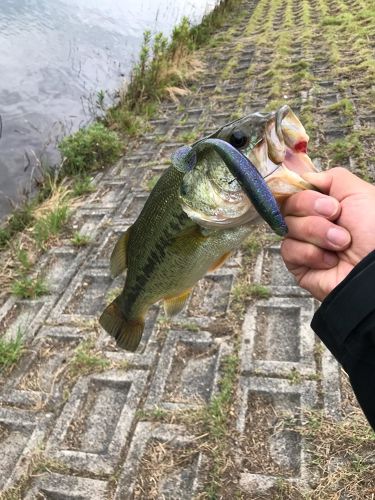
{"x": 201, "y": 209}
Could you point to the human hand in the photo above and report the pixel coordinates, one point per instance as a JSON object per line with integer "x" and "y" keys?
{"x": 328, "y": 233}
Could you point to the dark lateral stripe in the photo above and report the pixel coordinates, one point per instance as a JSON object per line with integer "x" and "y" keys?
{"x": 156, "y": 257}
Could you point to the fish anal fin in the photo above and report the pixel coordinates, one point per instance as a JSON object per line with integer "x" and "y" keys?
{"x": 219, "y": 262}
{"x": 119, "y": 255}
{"x": 127, "y": 333}
{"x": 174, "y": 305}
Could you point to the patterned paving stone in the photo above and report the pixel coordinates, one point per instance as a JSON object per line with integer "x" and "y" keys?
{"x": 172, "y": 421}
{"x": 187, "y": 370}
{"x": 94, "y": 425}
{"x": 21, "y": 433}
{"x": 270, "y": 450}
{"x": 60, "y": 486}
{"x": 277, "y": 338}
{"x": 171, "y": 442}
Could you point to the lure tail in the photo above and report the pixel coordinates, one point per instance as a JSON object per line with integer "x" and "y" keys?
{"x": 127, "y": 333}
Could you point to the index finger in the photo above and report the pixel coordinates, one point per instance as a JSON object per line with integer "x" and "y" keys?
{"x": 308, "y": 202}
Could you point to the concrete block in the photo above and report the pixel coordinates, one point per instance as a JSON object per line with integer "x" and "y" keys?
{"x": 93, "y": 428}
{"x": 161, "y": 463}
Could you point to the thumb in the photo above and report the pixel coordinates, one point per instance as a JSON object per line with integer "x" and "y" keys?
{"x": 337, "y": 182}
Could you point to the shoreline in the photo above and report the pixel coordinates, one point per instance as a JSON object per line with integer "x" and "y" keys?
{"x": 128, "y": 118}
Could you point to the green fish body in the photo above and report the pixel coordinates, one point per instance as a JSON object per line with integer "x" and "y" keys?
{"x": 165, "y": 254}
{"x": 198, "y": 213}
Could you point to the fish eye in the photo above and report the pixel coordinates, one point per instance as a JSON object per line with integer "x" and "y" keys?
{"x": 239, "y": 139}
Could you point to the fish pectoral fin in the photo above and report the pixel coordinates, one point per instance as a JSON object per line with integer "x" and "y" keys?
{"x": 127, "y": 333}
{"x": 219, "y": 262}
{"x": 173, "y": 305}
{"x": 118, "y": 260}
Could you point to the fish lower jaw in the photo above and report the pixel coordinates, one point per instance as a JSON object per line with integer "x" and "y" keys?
{"x": 283, "y": 183}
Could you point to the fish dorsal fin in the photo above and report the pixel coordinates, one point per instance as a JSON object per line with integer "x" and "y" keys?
{"x": 119, "y": 255}
{"x": 173, "y": 305}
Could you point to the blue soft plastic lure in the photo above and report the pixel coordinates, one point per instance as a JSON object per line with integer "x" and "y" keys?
{"x": 246, "y": 174}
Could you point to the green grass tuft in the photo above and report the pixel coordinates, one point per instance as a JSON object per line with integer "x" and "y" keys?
{"x": 80, "y": 240}
{"x": 11, "y": 350}
{"x": 83, "y": 184}
{"x": 20, "y": 219}
{"x": 89, "y": 148}
{"x": 87, "y": 360}
{"x": 50, "y": 225}
{"x": 29, "y": 288}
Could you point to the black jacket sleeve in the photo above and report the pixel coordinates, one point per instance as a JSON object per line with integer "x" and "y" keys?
{"x": 345, "y": 322}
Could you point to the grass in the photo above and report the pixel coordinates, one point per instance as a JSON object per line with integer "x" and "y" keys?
{"x": 243, "y": 291}
{"x": 87, "y": 360}
{"x": 11, "y": 350}
{"x": 342, "y": 450}
{"x": 80, "y": 240}
{"x": 165, "y": 68}
{"x": 258, "y": 291}
{"x": 23, "y": 258}
{"x": 342, "y": 149}
{"x": 82, "y": 184}
{"x": 50, "y": 225}
{"x": 90, "y": 148}
{"x": 157, "y": 414}
{"x": 216, "y": 418}
{"x": 29, "y": 288}
{"x": 20, "y": 219}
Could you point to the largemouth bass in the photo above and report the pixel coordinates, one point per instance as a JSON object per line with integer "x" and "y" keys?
{"x": 200, "y": 210}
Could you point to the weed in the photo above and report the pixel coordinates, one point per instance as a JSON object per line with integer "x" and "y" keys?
{"x": 18, "y": 221}
{"x": 80, "y": 240}
{"x": 348, "y": 444}
{"x": 83, "y": 185}
{"x": 154, "y": 414}
{"x": 125, "y": 120}
{"x": 187, "y": 137}
{"x": 294, "y": 377}
{"x": 24, "y": 259}
{"x": 345, "y": 106}
{"x": 243, "y": 291}
{"x": 11, "y": 350}
{"x": 190, "y": 326}
{"x": 342, "y": 149}
{"x": 87, "y": 360}
{"x": 252, "y": 246}
{"x": 89, "y": 148}
{"x": 50, "y": 225}
{"x": 29, "y": 288}
{"x": 258, "y": 291}
{"x": 216, "y": 419}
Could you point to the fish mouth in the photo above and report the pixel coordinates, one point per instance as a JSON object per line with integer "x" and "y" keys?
{"x": 266, "y": 173}
{"x": 281, "y": 155}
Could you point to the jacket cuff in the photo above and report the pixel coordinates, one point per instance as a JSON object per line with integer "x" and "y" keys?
{"x": 346, "y": 306}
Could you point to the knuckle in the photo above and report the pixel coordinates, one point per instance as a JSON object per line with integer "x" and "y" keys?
{"x": 340, "y": 171}
{"x": 311, "y": 253}
{"x": 309, "y": 228}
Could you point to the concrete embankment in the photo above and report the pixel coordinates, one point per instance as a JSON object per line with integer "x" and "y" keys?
{"x": 234, "y": 398}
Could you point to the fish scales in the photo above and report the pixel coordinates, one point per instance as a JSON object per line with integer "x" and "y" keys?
{"x": 168, "y": 263}
{"x": 200, "y": 210}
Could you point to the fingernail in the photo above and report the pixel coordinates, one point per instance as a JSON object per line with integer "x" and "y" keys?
{"x": 330, "y": 259}
{"x": 325, "y": 206}
{"x": 338, "y": 237}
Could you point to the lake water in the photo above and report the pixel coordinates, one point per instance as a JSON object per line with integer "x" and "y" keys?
{"x": 55, "y": 55}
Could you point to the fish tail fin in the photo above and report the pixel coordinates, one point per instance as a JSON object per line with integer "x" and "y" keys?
{"x": 127, "y": 332}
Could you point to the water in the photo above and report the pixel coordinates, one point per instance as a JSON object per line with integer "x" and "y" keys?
{"x": 55, "y": 55}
